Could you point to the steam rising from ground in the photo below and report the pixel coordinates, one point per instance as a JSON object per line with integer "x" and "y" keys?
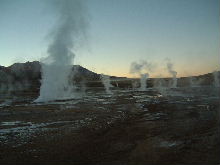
{"x": 142, "y": 66}
{"x": 216, "y": 79}
{"x": 141, "y": 70}
{"x": 172, "y": 72}
{"x": 106, "y": 82}
{"x": 143, "y": 81}
{"x": 57, "y": 67}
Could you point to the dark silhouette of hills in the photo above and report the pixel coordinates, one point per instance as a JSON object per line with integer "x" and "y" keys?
{"x": 31, "y": 71}
{"x": 21, "y": 76}
{"x": 28, "y": 75}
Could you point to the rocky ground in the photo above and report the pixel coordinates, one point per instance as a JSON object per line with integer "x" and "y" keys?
{"x": 128, "y": 127}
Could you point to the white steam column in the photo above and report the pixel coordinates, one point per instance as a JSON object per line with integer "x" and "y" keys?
{"x": 173, "y": 73}
{"x": 143, "y": 81}
{"x": 57, "y": 67}
{"x": 106, "y": 82}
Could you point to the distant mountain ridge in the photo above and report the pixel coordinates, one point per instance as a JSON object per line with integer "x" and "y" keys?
{"x": 28, "y": 76}
{"x": 22, "y": 76}
{"x": 30, "y": 73}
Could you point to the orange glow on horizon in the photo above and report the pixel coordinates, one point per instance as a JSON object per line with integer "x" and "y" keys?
{"x": 163, "y": 75}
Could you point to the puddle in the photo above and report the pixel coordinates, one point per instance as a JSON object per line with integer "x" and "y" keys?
{"x": 28, "y": 126}
{"x": 169, "y": 144}
{"x": 10, "y": 123}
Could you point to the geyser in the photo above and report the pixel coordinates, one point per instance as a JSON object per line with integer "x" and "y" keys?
{"x": 106, "y": 82}
{"x": 139, "y": 68}
{"x": 56, "y": 69}
{"x": 173, "y": 73}
{"x": 143, "y": 81}
{"x": 216, "y": 78}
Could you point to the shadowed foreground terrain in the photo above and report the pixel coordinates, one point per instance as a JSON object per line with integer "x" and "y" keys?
{"x": 127, "y": 127}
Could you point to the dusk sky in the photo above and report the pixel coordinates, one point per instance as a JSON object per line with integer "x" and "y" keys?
{"x": 120, "y": 32}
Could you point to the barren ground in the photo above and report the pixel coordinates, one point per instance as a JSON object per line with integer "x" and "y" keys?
{"x": 127, "y": 127}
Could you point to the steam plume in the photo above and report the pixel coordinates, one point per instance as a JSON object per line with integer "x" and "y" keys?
{"x": 106, "y": 82}
{"x": 172, "y": 72}
{"x": 139, "y": 68}
{"x": 143, "y": 81}
{"x": 57, "y": 70}
{"x": 216, "y": 78}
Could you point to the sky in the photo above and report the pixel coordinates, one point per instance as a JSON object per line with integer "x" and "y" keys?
{"x": 120, "y": 32}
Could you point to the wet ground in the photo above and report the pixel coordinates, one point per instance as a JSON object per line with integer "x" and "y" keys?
{"x": 173, "y": 126}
